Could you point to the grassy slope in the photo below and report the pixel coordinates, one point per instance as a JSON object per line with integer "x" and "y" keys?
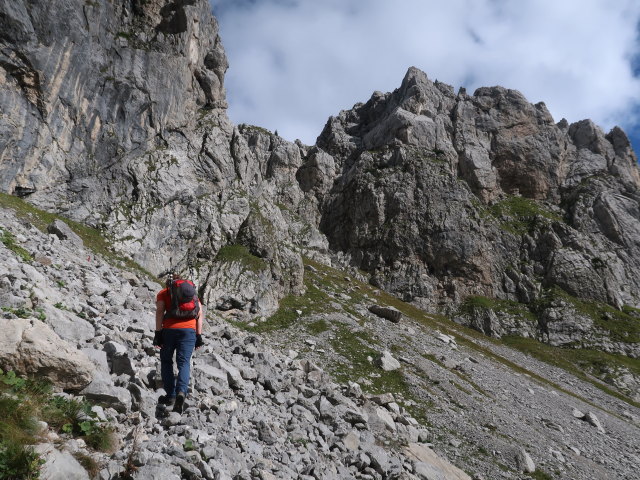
{"x": 92, "y": 238}
{"x": 316, "y": 300}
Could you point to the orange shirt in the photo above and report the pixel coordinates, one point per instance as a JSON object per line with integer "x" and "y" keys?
{"x": 165, "y": 296}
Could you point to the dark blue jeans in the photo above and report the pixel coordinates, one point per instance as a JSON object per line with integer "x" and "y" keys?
{"x": 182, "y": 341}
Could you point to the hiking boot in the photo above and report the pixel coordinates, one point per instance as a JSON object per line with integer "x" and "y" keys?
{"x": 166, "y": 400}
{"x": 179, "y": 404}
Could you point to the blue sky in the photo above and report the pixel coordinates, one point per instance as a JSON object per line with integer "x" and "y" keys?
{"x": 294, "y": 63}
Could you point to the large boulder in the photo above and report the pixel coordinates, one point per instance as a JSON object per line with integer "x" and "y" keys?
{"x": 430, "y": 466}
{"x": 30, "y": 347}
{"x": 60, "y": 465}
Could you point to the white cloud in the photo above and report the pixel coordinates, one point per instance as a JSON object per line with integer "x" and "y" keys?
{"x": 293, "y": 63}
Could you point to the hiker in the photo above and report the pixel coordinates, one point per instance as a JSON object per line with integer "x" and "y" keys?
{"x": 178, "y": 329}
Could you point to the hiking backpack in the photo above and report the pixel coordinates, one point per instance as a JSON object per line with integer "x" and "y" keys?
{"x": 184, "y": 300}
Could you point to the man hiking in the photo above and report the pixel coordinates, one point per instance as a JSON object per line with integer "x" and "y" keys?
{"x": 178, "y": 329}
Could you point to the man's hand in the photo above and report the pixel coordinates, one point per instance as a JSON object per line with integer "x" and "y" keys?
{"x": 157, "y": 339}
{"x": 199, "y": 341}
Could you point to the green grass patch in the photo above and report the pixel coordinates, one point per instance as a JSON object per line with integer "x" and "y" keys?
{"x": 510, "y": 307}
{"x": 540, "y": 475}
{"x": 23, "y": 312}
{"x": 20, "y": 402}
{"x": 520, "y": 215}
{"x": 355, "y": 347}
{"x": 9, "y": 241}
{"x": 241, "y": 255}
{"x": 629, "y": 310}
{"x": 322, "y": 287}
{"x": 622, "y": 325}
{"x": 19, "y": 461}
{"x": 76, "y": 418}
{"x": 313, "y": 301}
{"x": 317, "y": 327}
{"x": 246, "y": 128}
{"x": 23, "y": 402}
{"x": 579, "y": 362}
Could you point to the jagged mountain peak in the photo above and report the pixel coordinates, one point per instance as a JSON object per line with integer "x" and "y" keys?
{"x": 479, "y": 207}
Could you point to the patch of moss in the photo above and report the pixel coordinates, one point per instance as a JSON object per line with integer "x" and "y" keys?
{"x": 242, "y": 255}
{"x": 93, "y": 239}
{"x": 246, "y": 128}
{"x": 583, "y": 363}
{"x": 23, "y": 312}
{"x": 317, "y": 327}
{"x": 623, "y": 326}
{"x": 507, "y": 306}
{"x": 9, "y": 241}
{"x": 540, "y": 475}
{"x": 313, "y": 301}
{"x": 355, "y": 346}
{"x": 519, "y": 215}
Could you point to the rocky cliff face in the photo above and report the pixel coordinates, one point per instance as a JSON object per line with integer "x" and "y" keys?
{"x": 437, "y": 197}
{"x": 87, "y": 83}
{"x": 113, "y": 114}
{"x": 480, "y": 207}
{"x": 322, "y": 410}
{"x": 481, "y": 194}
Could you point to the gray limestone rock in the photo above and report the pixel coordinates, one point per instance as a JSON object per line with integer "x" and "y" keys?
{"x": 60, "y": 465}
{"x": 387, "y": 362}
{"x": 524, "y": 462}
{"x": 592, "y": 419}
{"x": 390, "y": 313}
{"x": 64, "y": 232}
{"x": 477, "y": 204}
{"x": 30, "y": 347}
{"x": 103, "y": 391}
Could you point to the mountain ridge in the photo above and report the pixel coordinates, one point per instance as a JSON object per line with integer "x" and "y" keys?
{"x": 479, "y": 207}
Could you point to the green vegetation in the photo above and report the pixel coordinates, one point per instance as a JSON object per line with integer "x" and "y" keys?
{"x": 314, "y": 300}
{"x": 317, "y": 327}
{"x": 540, "y": 475}
{"x": 623, "y": 326}
{"x": 75, "y": 417}
{"x": 189, "y": 445}
{"x": 93, "y": 239}
{"x": 634, "y": 312}
{"x": 125, "y": 35}
{"x": 355, "y": 347}
{"x": 23, "y": 312}
{"x": 246, "y": 128}
{"x": 510, "y": 307}
{"x": 520, "y": 215}
{"x": 23, "y": 402}
{"x": 241, "y": 254}
{"x": 9, "y": 241}
{"x": 583, "y": 363}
